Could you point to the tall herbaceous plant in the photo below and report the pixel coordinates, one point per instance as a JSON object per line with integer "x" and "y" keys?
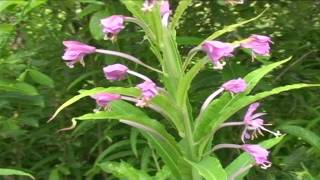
{"x": 191, "y": 153}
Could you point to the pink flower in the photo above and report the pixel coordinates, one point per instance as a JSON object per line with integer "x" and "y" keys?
{"x": 254, "y": 123}
{"x": 216, "y": 51}
{"x": 102, "y": 99}
{"x": 259, "y": 154}
{"x": 115, "y": 72}
{"x": 75, "y": 52}
{"x": 165, "y": 12}
{"x": 235, "y": 86}
{"x": 258, "y": 44}
{"x": 148, "y": 91}
{"x": 112, "y": 25}
{"x": 148, "y": 5}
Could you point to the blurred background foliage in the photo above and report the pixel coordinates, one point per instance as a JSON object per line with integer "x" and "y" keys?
{"x": 34, "y": 81}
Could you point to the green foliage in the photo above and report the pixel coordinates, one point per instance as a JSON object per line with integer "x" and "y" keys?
{"x": 34, "y": 82}
{"x": 11, "y": 172}
{"x": 210, "y": 168}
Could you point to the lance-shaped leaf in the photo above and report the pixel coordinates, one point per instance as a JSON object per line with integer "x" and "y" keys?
{"x": 14, "y": 172}
{"x": 182, "y": 7}
{"x": 233, "y": 27}
{"x": 84, "y": 93}
{"x": 185, "y": 82}
{"x": 207, "y": 126}
{"x": 219, "y": 104}
{"x": 124, "y": 170}
{"x": 303, "y": 133}
{"x": 245, "y": 159}
{"x": 163, "y": 142}
{"x": 210, "y": 168}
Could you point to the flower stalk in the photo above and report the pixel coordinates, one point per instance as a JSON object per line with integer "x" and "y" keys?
{"x": 127, "y": 56}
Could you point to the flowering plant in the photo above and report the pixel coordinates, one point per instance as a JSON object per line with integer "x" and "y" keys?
{"x": 191, "y": 153}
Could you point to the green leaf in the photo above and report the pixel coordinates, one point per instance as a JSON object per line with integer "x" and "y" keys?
{"x": 133, "y": 141}
{"x": 5, "y": 4}
{"x": 41, "y": 78}
{"x": 170, "y": 111}
{"x": 133, "y": 116}
{"x": 19, "y": 87}
{"x": 33, "y": 4}
{"x": 182, "y": 7}
{"x": 14, "y": 172}
{"x": 164, "y": 143}
{"x": 81, "y": 78}
{"x": 188, "y": 40}
{"x": 163, "y": 174}
{"x": 134, "y": 6}
{"x": 185, "y": 82}
{"x": 84, "y": 93}
{"x": 214, "y": 118}
{"x": 91, "y": 8}
{"x": 54, "y": 174}
{"x": 245, "y": 159}
{"x": 232, "y": 27}
{"x": 95, "y": 26}
{"x": 210, "y": 168}
{"x": 215, "y": 107}
{"x": 6, "y": 28}
{"x": 115, "y": 147}
{"x": 124, "y": 170}
{"x": 255, "y": 76}
{"x": 305, "y": 134}
{"x": 167, "y": 106}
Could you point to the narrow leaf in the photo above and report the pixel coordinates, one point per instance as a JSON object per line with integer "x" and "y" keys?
{"x": 124, "y": 170}
{"x": 232, "y": 27}
{"x": 210, "y": 168}
{"x": 182, "y": 7}
{"x": 305, "y": 134}
{"x": 11, "y": 172}
{"x": 85, "y": 93}
{"x": 214, "y": 117}
{"x": 41, "y": 78}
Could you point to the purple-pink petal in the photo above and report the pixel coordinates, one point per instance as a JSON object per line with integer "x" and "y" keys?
{"x": 115, "y": 72}
{"x": 258, "y": 44}
{"x": 258, "y": 153}
{"x": 112, "y": 25}
{"x": 75, "y": 52}
{"x": 148, "y": 91}
{"x": 102, "y": 99}
{"x": 216, "y": 51}
{"x": 235, "y": 86}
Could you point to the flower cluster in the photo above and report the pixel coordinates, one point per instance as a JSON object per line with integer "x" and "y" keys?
{"x": 253, "y": 124}
{"x": 217, "y": 51}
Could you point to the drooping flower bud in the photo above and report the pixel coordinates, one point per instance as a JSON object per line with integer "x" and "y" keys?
{"x": 115, "y": 72}
{"x": 102, "y": 99}
{"x": 112, "y": 25}
{"x": 235, "y": 86}
{"x": 258, "y": 44}
{"x": 216, "y": 51}
{"x": 259, "y": 154}
{"x": 75, "y": 52}
{"x": 148, "y": 91}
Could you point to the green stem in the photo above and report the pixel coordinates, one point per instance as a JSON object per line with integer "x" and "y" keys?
{"x": 191, "y": 54}
{"x": 144, "y": 26}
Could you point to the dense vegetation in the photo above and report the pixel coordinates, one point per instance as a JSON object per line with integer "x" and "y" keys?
{"x": 34, "y": 82}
